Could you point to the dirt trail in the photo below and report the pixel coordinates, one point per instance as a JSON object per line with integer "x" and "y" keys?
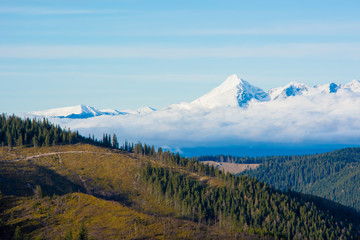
{"x": 51, "y": 153}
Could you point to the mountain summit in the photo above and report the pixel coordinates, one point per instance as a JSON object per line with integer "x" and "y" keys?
{"x": 233, "y": 92}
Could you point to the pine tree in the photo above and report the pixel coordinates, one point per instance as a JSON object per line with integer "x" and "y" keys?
{"x": 20, "y": 140}
{"x": 35, "y": 141}
{"x": 69, "y": 235}
{"x": 38, "y": 192}
{"x": 83, "y": 234}
{"x": 9, "y": 139}
{"x": 115, "y": 143}
{"x": 69, "y": 137}
{"x": 47, "y": 140}
{"x": 18, "y": 235}
{"x": 55, "y": 141}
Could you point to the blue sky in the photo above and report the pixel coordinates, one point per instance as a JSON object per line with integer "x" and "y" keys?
{"x": 129, "y": 53}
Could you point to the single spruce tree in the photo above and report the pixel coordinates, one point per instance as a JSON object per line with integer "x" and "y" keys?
{"x": 115, "y": 143}
{"x": 83, "y": 234}
{"x": 38, "y": 192}
{"x": 18, "y": 235}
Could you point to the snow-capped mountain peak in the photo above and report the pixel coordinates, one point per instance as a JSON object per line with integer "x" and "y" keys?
{"x": 291, "y": 89}
{"x": 234, "y": 91}
{"x": 144, "y": 110}
{"x": 78, "y": 111}
{"x": 333, "y": 87}
{"x": 353, "y": 86}
{"x": 327, "y": 88}
{"x": 233, "y": 81}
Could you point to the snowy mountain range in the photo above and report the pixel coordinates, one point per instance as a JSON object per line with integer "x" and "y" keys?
{"x": 83, "y": 111}
{"x": 233, "y": 92}
{"x": 234, "y": 113}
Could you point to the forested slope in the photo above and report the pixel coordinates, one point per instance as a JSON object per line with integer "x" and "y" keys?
{"x": 334, "y": 176}
{"x": 52, "y": 192}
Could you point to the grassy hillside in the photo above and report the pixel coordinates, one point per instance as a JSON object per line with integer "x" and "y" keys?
{"x": 53, "y": 218}
{"x": 115, "y": 195}
{"x": 84, "y": 183}
{"x": 334, "y": 176}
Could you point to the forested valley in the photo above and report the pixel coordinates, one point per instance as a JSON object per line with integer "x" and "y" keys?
{"x": 63, "y": 185}
{"x": 334, "y": 175}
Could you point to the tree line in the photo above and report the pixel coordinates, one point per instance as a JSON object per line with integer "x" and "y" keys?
{"x": 18, "y": 132}
{"x": 334, "y": 175}
{"x": 244, "y": 204}
{"x": 15, "y": 131}
{"x": 230, "y": 159}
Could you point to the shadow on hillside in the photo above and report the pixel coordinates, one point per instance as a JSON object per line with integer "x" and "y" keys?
{"x": 121, "y": 198}
{"x": 20, "y": 179}
{"x": 27, "y": 226}
{"x": 336, "y": 209}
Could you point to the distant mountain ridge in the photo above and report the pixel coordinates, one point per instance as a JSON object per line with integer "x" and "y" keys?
{"x": 83, "y": 111}
{"x": 233, "y": 92}
{"x": 236, "y": 114}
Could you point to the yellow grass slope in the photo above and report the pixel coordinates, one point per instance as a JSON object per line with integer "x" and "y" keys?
{"x": 89, "y": 184}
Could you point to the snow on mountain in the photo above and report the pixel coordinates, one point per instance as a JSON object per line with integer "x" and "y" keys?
{"x": 112, "y": 112}
{"x": 143, "y": 110}
{"x": 78, "y": 111}
{"x": 292, "y": 89}
{"x": 233, "y": 92}
{"x": 235, "y": 112}
{"x": 296, "y": 89}
{"x": 353, "y": 86}
{"x": 83, "y": 112}
{"x": 327, "y": 88}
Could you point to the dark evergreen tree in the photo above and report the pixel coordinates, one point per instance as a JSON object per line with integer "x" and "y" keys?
{"x": 38, "y": 192}
{"x": 115, "y": 143}
{"x": 83, "y": 234}
{"x": 18, "y": 235}
{"x": 69, "y": 235}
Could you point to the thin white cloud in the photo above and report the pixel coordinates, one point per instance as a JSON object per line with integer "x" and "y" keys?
{"x": 347, "y": 28}
{"x": 301, "y": 50}
{"x": 129, "y": 77}
{"x": 49, "y": 11}
{"x": 309, "y": 29}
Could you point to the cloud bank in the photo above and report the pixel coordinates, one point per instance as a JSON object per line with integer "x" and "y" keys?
{"x": 298, "y": 120}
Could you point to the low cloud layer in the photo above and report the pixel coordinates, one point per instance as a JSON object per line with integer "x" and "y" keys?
{"x": 297, "y": 120}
